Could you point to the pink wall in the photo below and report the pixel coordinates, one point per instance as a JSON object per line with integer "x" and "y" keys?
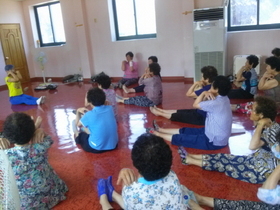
{"x": 91, "y": 48}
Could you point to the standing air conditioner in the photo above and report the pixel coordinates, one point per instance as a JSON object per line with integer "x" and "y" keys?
{"x": 209, "y": 28}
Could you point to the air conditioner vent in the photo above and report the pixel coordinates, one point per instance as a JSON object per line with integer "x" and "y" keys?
{"x": 208, "y": 14}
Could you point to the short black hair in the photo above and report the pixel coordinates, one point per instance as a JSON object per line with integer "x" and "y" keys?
{"x": 19, "y": 128}
{"x": 103, "y": 80}
{"x": 266, "y": 106}
{"x": 153, "y": 58}
{"x": 209, "y": 72}
{"x": 9, "y": 67}
{"x": 96, "y": 97}
{"x": 155, "y": 68}
{"x": 274, "y": 62}
{"x": 152, "y": 157}
{"x": 276, "y": 52}
{"x": 252, "y": 59}
{"x": 223, "y": 85}
{"x": 130, "y": 54}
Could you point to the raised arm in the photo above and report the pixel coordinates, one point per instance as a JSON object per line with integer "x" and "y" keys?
{"x": 256, "y": 141}
{"x": 267, "y": 82}
{"x": 19, "y": 75}
{"x": 123, "y": 65}
{"x": 191, "y": 91}
{"x": 126, "y": 177}
{"x": 4, "y": 143}
{"x": 131, "y": 65}
{"x": 239, "y": 76}
{"x": 13, "y": 77}
{"x": 273, "y": 179}
{"x": 79, "y": 114}
{"x": 202, "y": 97}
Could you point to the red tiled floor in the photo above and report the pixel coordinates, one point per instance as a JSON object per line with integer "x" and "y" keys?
{"x": 81, "y": 170}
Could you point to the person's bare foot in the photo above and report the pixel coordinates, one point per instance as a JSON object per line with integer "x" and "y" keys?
{"x": 158, "y": 109}
{"x": 233, "y": 107}
{"x": 152, "y": 109}
{"x": 125, "y": 89}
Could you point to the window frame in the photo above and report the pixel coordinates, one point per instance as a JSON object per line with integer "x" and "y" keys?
{"x": 250, "y": 27}
{"x": 39, "y": 28}
{"x": 137, "y": 36}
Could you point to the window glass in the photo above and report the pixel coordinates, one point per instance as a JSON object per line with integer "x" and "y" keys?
{"x": 50, "y": 24}
{"x": 253, "y": 14}
{"x": 269, "y": 11}
{"x": 146, "y": 24}
{"x": 58, "y": 26}
{"x": 45, "y": 24}
{"x": 134, "y": 19}
{"x": 126, "y": 17}
{"x": 243, "y": 12}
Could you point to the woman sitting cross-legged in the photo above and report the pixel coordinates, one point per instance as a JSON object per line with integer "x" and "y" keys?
{"x": 152, "y": 89}
{"x": 256, "y": 167}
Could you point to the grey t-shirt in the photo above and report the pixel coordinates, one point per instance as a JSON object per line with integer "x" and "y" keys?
{"x": 153, "y": 88}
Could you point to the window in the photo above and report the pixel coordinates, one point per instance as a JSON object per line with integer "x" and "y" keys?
{"x": 253, "y": 14}
{"x": 50, "y": 24}
{"x": 134, "y": 19}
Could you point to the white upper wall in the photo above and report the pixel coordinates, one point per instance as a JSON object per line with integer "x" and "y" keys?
{"x": 89, "y": 44}
{"x": 170, "y": 46}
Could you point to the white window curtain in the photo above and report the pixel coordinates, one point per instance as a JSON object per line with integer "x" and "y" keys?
{"x": 9, "y": 196}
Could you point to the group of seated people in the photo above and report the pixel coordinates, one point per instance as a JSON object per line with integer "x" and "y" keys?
{"x": 156, "y": 186}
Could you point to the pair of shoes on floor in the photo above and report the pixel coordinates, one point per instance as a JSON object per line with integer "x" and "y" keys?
{"x": 155, "y": 128}
{"x": 104, "y": 186}
{"x": 155, "y": 125}
{"x": 183, "y": 154}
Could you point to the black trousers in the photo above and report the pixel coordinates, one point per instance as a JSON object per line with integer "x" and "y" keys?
{"x": 190, "y": 116}
{"x": 239, "y": 94}
{"x": 82, "y": 139}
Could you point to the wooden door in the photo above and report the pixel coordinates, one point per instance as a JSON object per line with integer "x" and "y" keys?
{"x": 13, "y": 50}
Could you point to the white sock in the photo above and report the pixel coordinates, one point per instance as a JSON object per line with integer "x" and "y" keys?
{"x": 39, "y": 100}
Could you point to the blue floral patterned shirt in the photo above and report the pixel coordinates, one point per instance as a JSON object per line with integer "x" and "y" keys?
{"x": 166, "y": 193}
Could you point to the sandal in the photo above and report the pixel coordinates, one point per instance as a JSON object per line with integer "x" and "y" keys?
{"x": 150, "y": 130}
{"x": 155, "y": 125}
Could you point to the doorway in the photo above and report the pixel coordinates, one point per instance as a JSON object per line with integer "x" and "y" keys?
{"x": 13, "y": 49}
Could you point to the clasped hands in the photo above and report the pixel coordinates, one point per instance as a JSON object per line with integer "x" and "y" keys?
{"x": 38, "y": 135}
